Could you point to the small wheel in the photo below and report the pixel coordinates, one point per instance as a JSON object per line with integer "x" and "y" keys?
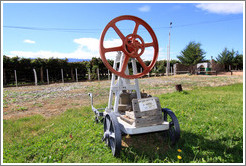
{"x": 174, "y": 129}
{"x": 112, "y": 134}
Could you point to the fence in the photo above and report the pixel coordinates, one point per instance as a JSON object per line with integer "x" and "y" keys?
{"x": 14, "y": 79}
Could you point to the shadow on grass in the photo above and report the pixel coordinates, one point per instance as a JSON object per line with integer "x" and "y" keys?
{"x": 154, "y": 147}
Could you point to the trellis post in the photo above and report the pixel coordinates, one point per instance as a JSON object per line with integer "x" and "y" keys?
{"x": 62, "y": 75}
{"x": 15, "y": 78}
{"x": 76, "y": 74}
{"x": 35, "y": 77}
{"x": 98, "y": 74}
{"x": 47, "y": 72}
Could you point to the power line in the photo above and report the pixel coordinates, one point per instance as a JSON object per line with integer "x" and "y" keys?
{"x": 93, "y": 30}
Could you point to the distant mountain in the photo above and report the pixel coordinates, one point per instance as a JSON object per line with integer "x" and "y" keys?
{"x": 77, "y": 60}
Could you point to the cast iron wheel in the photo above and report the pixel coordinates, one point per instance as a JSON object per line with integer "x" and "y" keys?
{"x": 112, "y": 134}
{"x": 174, "y": 129}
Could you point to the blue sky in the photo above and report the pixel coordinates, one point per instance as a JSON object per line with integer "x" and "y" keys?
{"x": 73, "y": 30}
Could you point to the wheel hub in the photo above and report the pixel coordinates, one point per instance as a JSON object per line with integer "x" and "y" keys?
{"x": 133, "y": 45}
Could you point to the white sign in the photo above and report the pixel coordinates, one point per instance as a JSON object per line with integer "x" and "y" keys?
{"x": 147, "y": 104}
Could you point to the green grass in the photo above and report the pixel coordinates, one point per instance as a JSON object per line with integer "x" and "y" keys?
{"x": 211, "y": 122}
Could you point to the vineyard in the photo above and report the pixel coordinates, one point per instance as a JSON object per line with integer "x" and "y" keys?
{"x": 54, "y": 70}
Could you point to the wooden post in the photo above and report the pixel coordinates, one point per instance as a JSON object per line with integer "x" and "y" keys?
{"x": 149, "y": 74}
{"x": 76, "y": 74}
{"x": 98, "y": 74}
{"x": 4, "y": 77}
{"x": 15, "y": 78}
{"x": 174, "y": 69}
{"x": 89, "y": 72}
{"x": 72, "y": 75}
{"x": 108, "y": 75}
{"x": 35, "y": 77}
{"x": 62, "y": 75}
{"x": 178, "y": 87}
{"x": 48, "y": 81}
{"x": 41, "y": 74}
{"x": 155, "y": 71}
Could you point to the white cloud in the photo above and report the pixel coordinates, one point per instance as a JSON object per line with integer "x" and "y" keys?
{"x": 91, "y": 44}
{"x": 87, "y": 48}
{"x": 222, "y": 8}
{"x": 145, "y": 8}
{"x": 29, "y": 41}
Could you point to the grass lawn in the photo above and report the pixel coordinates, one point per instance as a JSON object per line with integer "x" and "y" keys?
{"x": 211, "y": 122}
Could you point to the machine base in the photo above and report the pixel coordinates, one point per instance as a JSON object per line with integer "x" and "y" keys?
{"x": 130, "y": 129}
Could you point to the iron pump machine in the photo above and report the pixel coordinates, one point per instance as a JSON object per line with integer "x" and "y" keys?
{"x": 133, "y": 112}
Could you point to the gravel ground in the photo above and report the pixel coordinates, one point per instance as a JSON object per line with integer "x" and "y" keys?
{"x": 53, "y": 99}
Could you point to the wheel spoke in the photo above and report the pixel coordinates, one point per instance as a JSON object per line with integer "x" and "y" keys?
{"x": 125, "y": 63}
{"x": 107, "y": 124}
{"x": 148, "y": 44}
{"x": 112, "y": 135}
{"x": 142, "y": 63}
{"x": 118, "y": 32}
{"x": 111, "y": 128}
{"x": 112, "y": 143}
{"x": 136, "y": 28}
{"x": 119, "y": 48}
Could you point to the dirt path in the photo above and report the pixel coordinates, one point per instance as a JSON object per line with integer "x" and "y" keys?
{"x": 50, "y": 100}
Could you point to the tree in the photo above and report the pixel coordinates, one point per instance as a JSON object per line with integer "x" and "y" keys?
{"x": 238, "y": 62}
{"x": 226, "y": 58}
{"x": 192, "y": 54}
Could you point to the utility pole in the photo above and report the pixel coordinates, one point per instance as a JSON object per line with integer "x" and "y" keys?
{"x": 168, "y": 54}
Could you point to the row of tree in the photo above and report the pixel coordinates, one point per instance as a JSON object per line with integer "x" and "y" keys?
{"x": 190, "y": 56}
{"x": 193, "y": 54}
{"x": 25, "y": 66}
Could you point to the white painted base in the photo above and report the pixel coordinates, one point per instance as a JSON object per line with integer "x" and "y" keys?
{"x": 140, "y": 130}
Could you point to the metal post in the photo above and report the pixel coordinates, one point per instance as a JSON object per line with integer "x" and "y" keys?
{"x": 108, "y": 75}
{"x": 62, "y": 75}
{"x": 112, "y": 84}
{"x": 168, "y": 61}
{"x": 98, "y": 74}
{"x": 48, "y": 81}
{"x": 76, "y": 74}
{"x": 15, "y": 78}
{"x": 134, "y": 68}
{"x": 35, "y": 77}
{"x": 141, "y": 69}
